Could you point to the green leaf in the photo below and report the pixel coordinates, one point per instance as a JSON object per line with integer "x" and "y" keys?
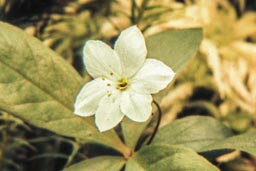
{"x": 175, "y": 158}
{"x": 245, "y": 142}
{"x": 132, "y": 165}
{"x": 132, "y": 131}
{"x": 174, "y": 47}
{"x": 194, "y": 132}
{"x": 39, "y": 87}
{"x": 103, "y": 163}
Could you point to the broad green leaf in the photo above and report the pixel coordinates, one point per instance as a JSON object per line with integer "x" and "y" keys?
{"x": 244, "y": 142}
{"x": 194, "y": 132}
{"x": 174, "y": 47}
{"x": 175, "y": 158}
{"x": 132, "y": 165}
{"x": 39, "y": 87}
{"x": 103, "y": 163}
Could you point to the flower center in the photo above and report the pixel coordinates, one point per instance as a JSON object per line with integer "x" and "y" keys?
{"x": 122, "y": 84}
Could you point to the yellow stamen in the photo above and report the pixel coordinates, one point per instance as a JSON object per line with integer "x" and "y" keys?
{"x": 122, "y": 84}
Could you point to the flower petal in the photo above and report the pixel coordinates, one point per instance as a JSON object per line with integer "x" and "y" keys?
{"x": 131, "y": 49}
{"x": 100, "y": 60}
{"x": 108, "y": 115}
{"x": 152, "y": 77}
{"x": 89, "y": 97}
{"x": 136, "y": 106}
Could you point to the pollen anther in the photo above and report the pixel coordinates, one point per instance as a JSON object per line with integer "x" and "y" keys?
{"x": 122, "y": 84}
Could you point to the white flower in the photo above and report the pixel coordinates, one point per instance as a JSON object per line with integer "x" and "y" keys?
{"x": 123, "y": 80}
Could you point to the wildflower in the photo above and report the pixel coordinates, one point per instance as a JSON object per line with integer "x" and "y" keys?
{"x": 123, "y": 80}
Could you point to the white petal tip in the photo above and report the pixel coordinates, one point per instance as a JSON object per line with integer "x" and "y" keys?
{"x": 132, "y": 28}
{"x": 78, "y": 112}
{"x": 102, "y": 128}
{"x": 139, "y": 119}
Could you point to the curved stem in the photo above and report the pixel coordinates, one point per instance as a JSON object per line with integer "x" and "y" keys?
{"x": 157, "y": 124}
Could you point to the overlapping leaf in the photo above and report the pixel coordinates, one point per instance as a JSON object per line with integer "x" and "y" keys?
{"x": 195, "y": 132}
{"x": 245, "y": 142}
{"x": 175, "y": 47}
{"x": 166, "y": 157}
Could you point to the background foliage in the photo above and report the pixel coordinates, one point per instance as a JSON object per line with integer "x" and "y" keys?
{"x": 219, "y": 82}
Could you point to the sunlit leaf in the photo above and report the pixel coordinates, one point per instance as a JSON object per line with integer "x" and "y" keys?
{"x": 245, "y": 142}
{"x": 103, "y": 163}
{"x": 176, "y": 158}
{"x": 39, "y": 87}
{"x": 132, "y": 165}
{"x": 174, "y": 47}
{"x": 194, "y": 132}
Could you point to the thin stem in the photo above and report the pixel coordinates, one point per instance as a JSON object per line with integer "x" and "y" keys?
{"x": 157, "y": 124}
